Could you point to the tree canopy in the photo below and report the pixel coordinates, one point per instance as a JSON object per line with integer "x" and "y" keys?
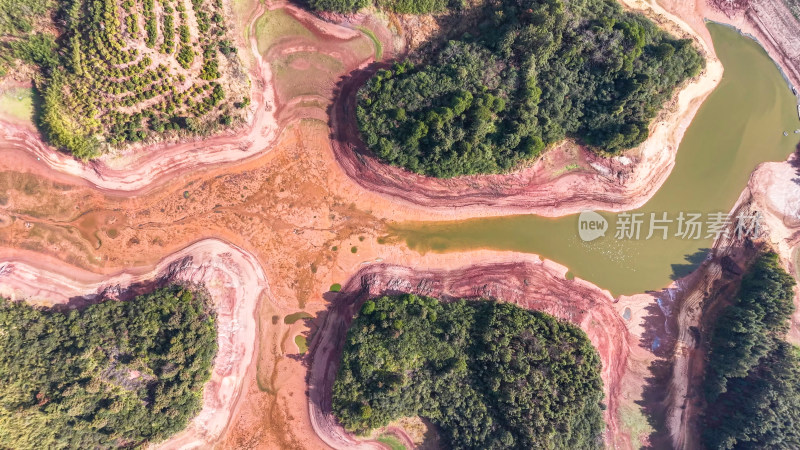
{"x": 752, "y": 380}
{"x": 126, "y": 71}
{"x": 115, "y": 374}
{"x": 533, "y": 73}
{"x": 18, "y": 17}
{"x": 491, "y": 375}
{"x": 398, "y": 6}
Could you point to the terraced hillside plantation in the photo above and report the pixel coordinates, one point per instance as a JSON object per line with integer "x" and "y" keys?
{"x": 135, "y": 70}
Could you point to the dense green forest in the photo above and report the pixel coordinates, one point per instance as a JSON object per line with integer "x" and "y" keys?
{"x": 18, "y": 17}
{"x": 752, "y": 381}
{"x": 122, "y": 71}
{"x": 491, "y": 375}
{"x": 115, "y": 374}
{"x": 533, "y": 73}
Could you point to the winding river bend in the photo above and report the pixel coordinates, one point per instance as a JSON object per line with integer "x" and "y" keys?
{"x": 741, "y": 125}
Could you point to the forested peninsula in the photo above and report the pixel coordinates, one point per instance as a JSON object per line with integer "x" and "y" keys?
{"x": 489, "y": 374}
{"x": 752, "y": 381}
{"x": 533, "y": 73}
{"x": 114, "y": 374}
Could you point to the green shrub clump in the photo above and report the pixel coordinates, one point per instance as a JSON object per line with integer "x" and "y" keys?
{"x": 752, "y": 380}
{"x": 115, "y": 374}
{"x": 398, "y": 6}
{"x": 340, "y": 6}
{"x": 535, "y": 72}
{"x": 491, "y": 375}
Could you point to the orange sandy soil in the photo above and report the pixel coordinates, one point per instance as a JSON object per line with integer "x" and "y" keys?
{"x": 288, "y": 202}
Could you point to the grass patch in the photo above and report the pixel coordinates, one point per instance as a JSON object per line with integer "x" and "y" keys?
{"x": 276, "y": 25}
{"x": 336, "y": 287}
{"x": 292, "y": 318}
{"x": 17, "y": 103}
{"x": 635, "y": 422}
{"x": 391, "y": 441}
{"x": 567, "y": 168}
{"x": 302, "y": 345}
{"x": 375, "y": 42}
{"x": 295, "y": 80}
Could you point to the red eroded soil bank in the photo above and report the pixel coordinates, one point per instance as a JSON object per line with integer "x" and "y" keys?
{"x": 531, "y": 284}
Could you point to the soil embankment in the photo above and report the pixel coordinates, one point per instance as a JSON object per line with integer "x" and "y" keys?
{"x": 233, "y": 278}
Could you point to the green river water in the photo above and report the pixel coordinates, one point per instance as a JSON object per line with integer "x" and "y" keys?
{"x": 740, "y": 125}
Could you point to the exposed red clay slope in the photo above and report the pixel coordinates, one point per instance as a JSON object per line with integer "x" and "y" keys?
{"x": 769, "y": 21}
{"x": 529, "y": 283}
{"x": 232, "y": 276}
